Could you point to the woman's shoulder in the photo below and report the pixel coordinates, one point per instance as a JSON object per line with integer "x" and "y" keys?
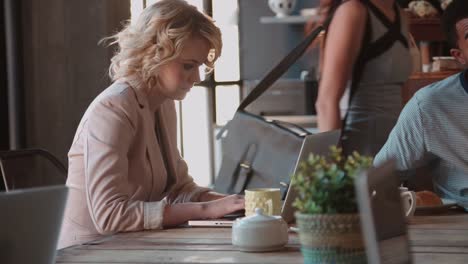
{"x": 118, "y": 95}
{"x": 349, "y": 19}
{"x": 118, "y": 92}
{"x": 119, "y": 98}
{"x": 352, "y": 9}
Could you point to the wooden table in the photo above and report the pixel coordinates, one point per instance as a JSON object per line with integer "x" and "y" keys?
{"x": 433, "y": 239}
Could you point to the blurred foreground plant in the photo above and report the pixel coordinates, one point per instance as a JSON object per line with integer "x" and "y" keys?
{"x": 325, "y": 185}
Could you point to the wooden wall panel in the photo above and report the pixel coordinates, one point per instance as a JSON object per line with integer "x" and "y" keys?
{"x": 64, "y": 66}
{"x": 4, "y": 137}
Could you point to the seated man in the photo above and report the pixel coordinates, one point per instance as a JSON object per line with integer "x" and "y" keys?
{"x": 433, "y": 127}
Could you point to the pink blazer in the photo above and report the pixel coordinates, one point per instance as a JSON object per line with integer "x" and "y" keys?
{"x": 120, "y": 175}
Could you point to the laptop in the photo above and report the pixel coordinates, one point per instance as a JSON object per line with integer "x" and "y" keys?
{"x": 382, "y": 216}
{"x": 315, "y": 143}
{"x": 30, "y": 224}
{"x": 318, "y": 144}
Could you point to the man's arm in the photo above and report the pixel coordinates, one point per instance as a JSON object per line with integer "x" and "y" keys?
{"x": 406, "y": 143}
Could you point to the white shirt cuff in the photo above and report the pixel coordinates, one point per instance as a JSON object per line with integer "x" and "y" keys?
{"x": 154, "y": 212}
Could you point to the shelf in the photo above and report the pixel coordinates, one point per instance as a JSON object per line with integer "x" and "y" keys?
{"x": 421, "y": 79}
{"x": 285, "y": 20}
{"x": 425, "y": 29}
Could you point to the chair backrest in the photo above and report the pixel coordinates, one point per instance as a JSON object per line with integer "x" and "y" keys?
{"x": 26, "y": 168}
{"x": 30, "y": 234}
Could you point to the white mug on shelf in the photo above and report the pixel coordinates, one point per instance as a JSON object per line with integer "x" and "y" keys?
{"x": 282, "y": 8}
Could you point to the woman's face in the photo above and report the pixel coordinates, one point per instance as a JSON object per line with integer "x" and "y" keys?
{"x": 178, "y": 77}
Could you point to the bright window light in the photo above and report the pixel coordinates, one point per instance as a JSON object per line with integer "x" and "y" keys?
{"x": 225, "y": 16}
{"x": 136, "y": 7}
{"x": 227, "y": 101}
{"x": 196, "y": 126}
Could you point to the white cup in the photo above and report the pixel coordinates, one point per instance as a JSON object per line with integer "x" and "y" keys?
{"x": 408, "y": 199}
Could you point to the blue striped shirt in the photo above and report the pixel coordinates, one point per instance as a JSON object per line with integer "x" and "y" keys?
{"x": 432, "y": 130}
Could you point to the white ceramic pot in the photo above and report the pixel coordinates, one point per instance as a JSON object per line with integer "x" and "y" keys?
{"x": 282, "y": 8}
{"x": 259, "y": 232}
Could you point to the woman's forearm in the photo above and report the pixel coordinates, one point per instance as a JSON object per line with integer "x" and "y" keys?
{"x": 328, "y": 116}
{"x": 176, "y": 214}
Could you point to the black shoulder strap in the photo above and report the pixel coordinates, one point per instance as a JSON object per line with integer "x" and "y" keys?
{"x": 283, "y": 66}
{"x": 361, "y": 59}
{"x": 393, "y": 34}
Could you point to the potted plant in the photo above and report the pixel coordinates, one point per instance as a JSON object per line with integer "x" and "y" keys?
{"x": 327, "y": 212}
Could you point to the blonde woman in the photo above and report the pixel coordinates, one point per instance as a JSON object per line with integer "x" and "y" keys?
{"x": 125, "y": 171}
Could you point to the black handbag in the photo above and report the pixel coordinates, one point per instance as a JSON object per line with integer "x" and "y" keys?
{"x": 257, "y": 152}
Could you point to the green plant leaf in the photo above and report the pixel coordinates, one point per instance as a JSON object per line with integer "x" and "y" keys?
{"x": 325, "y": 185}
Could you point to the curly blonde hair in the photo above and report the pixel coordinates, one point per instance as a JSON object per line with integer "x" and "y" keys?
{"x": 156, "y": 38}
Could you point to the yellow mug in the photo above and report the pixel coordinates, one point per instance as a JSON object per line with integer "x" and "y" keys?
{"x": 269, "y": 199}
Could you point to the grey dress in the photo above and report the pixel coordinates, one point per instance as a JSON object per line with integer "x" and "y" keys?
{"x": 375, "y": 102}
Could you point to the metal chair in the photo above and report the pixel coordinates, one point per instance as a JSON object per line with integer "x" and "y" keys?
{"x": 26, "y": 168}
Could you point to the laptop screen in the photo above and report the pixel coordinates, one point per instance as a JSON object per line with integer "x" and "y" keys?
{"x": 318, "y": 144}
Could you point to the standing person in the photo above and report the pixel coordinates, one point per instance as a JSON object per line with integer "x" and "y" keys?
{"x": 366, "y": 46}
{"x": 125, "y": 171}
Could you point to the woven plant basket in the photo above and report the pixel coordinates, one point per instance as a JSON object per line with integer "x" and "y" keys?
{"x": 331, "y": 238}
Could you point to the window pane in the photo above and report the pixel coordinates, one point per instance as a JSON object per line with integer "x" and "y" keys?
{"x": 196, "y": 135}
{"x": 225, "y": 16}
{"x": 227, "y": 66}
{"x": 136, "y": 6}
{"x": 150, "y": 2}
{"x": 227, "y": 101}
{"x": 225, "y": 11}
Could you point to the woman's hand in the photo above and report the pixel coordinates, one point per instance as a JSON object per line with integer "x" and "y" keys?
{"x": 210, "y": 196}
{"x": 176, "y": 214}
{"x": 221, "y": 207}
